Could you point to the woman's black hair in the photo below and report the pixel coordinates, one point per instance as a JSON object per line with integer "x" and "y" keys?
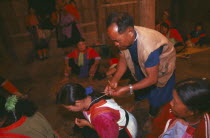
{"x": 195, "y": 94}
{"x": 23, "y": 107}
{"x": 122, "y": 19}
{"x": 71, "y": 92}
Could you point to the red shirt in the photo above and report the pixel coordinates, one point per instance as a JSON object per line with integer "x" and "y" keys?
{"x": 173, "y": 33}
{"x": 73, "y": 11}
{"x": 159, "y": 124}
{"x": 91, "y": 54}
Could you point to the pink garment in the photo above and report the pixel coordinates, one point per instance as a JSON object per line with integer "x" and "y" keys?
{"x": 106, "y": 125}
{"x": 65, "y": 23}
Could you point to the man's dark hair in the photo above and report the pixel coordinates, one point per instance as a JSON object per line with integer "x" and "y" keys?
{"x": 122, "y": 19}
{"x": 164, "y": 24}
{"x": 195, "y": 94}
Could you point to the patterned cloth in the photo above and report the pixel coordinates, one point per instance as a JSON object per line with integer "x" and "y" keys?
{"x": 174, "y": 126}
{"x": 108, "y": 118}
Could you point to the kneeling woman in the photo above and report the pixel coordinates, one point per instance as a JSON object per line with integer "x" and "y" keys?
{"x": 105, "y": 116}
{"x": 187, "y": 115}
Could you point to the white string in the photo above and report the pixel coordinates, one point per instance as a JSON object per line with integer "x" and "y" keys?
{"x": 96, "y": 99}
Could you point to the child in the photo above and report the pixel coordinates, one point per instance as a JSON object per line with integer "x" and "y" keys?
{"x": 19, "y": 119}
{"x": 113, "y": 68}
{"x": 197, "y": 36}
{"x": 105, "y": 116}
{"x": 173, "y": 35}
{"x": 82, "y": 61}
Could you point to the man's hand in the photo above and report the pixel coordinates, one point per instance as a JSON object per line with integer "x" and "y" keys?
{"x": 110, "y": 88}
{"x": 120, "y": 91}
{"x": 82, "y": 123}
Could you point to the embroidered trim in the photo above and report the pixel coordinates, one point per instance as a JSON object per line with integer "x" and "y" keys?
{"x": 15, "y": 125}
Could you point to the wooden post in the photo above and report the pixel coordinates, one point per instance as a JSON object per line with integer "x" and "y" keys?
{"x": 147, "y": 13}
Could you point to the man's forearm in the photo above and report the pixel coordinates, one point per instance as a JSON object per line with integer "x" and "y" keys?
{"x": 151, "y": 79}
{"x": 146, "y": 82}
{"x": 118, "y": 74}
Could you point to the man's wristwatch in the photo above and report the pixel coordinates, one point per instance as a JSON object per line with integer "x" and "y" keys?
{"x": 131, "y": 89}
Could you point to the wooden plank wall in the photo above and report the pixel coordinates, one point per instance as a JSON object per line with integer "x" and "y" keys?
{"x": 88, "y": 20}
{"x": 94, "y": 13}
{"x": 108, "y": 6}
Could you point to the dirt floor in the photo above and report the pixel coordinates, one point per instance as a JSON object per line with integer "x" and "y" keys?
{"x": 43, "y": 78}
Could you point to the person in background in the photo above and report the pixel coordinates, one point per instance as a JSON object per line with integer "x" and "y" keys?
{"x": 7, "y": 85}
{"x": 197, "y": 36}
{"x": 32, "y": 26}
{"x": 83, "y": 61}
{"x": 173, "y": 35}
{"x": 71, "y": 8}
{"x": 44, "y": 33}
{"x": 187, "y": 115}
{"x": 113, "y": 69}
{"x": 165, "y": 19}
{"x": 19, "y": 119}
{"x": 104, "y": 117}
{"x": 67, "y": 31}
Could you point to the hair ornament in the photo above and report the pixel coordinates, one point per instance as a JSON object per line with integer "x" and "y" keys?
{"x": 89, "y": 90}
{"x": 11, "y": 103}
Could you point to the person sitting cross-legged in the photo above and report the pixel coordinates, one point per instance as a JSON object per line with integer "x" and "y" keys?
{"x": 82, "y": 61}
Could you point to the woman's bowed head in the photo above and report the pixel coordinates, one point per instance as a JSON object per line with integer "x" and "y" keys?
{"x": 104, "y": 117}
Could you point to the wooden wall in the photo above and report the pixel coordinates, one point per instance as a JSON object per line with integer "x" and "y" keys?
{"x": 88, "y": 20}
{"x": 94, "y": 13}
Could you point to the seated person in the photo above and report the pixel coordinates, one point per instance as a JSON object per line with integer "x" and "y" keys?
{"x": 104, "y": 116}
{"x": 165, "y": 18}
{"x": 7, "y": 85}
{"x": 113, "y": 68}
{"x": 173, "y": 35}
{"x": 197, "y": 36}
{"x": 19, "y": 119}
{"x": 187, "y": 115}
{"x": 82, "y": 61}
